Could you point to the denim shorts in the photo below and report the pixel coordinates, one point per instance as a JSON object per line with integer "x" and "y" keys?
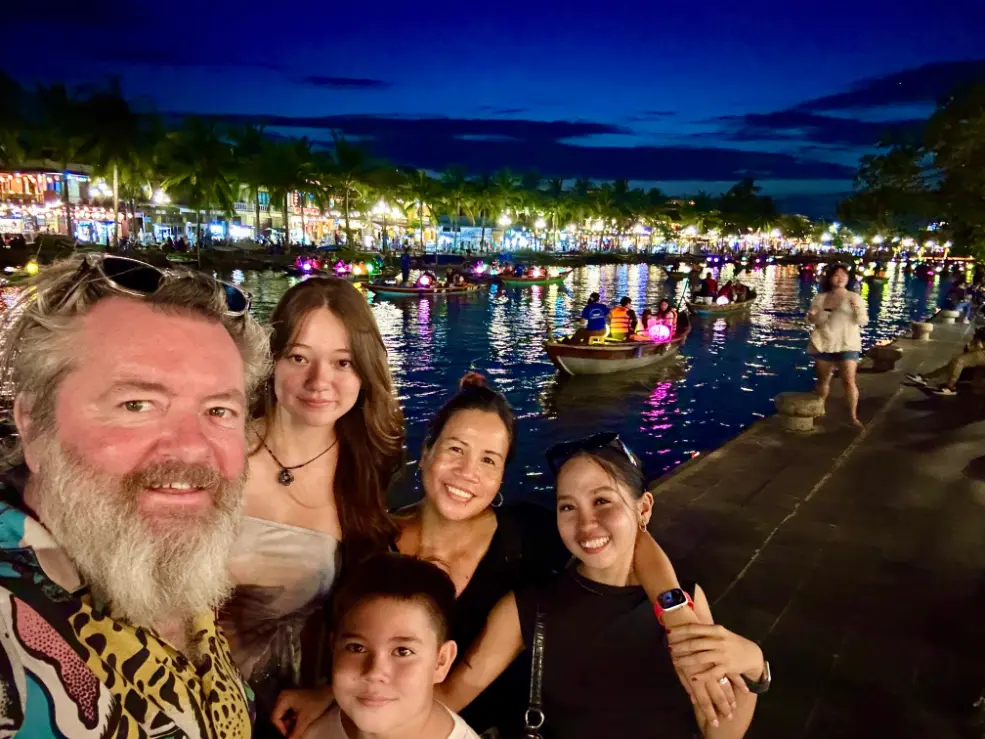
{"x": 838, "y": 356}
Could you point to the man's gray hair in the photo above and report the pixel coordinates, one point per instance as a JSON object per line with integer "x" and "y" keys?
{"x": 36, "y": 335}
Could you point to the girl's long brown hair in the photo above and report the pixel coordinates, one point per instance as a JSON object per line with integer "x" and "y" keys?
{"x": 371, "y": 434}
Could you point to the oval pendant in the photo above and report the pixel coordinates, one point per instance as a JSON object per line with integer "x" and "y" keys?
{"x": 286, "y": 477}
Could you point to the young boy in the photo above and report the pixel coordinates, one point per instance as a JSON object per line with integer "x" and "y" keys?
{"x": 390, "y": 647}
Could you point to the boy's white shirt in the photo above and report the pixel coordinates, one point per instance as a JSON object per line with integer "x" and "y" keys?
{"x": 329, "y": 726}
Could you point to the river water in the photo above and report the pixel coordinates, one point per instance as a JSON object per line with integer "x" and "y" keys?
{"x": 724, "y": 379}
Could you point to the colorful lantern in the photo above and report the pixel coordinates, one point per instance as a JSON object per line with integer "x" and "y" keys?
{"x": 722, "y": 301}
{"x": 659, "y": 332}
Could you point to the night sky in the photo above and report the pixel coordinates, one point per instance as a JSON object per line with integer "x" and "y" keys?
{"x": 683, "y": 95}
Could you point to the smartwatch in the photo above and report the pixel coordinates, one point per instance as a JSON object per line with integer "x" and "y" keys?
{"x": 671, "y": 600}
{"x": 758, "y": 688}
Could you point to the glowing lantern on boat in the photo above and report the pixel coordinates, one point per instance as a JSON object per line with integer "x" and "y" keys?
{"x": 370, "y": 269}
{"x": 659, "y": 332}
{"x": 536, "y": 272}
{"x": 480, "y": 268}
{"x": 31, "y": 268}
{"x": 424, "y": 281}
{"x": 358, "y": 269}
{"x": 306, "y": 266}
{"x": 722, "y": 301}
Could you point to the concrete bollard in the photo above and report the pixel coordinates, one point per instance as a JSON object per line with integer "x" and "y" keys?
{"x": 797, "y": 411}
{"x": 948, "y": 317}
{"x": 884, "y": 357}
{"x": 921, "y": 330}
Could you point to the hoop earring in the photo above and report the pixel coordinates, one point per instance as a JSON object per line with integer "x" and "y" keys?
{"x": 498, "y": 500}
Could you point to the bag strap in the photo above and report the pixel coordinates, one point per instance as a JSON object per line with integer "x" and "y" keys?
{"x": 533, "y": 719}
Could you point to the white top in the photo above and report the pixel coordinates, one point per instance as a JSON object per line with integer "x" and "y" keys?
{"x": 329, "y": 726}
{"x": 281, "y": 574}
{"x": 837, "y": 330}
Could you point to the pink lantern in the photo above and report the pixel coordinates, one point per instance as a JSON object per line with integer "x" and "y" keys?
{"x": 722, "y": 301}
{"x": 659, "y": 332}
{"x": 424, "y": 281}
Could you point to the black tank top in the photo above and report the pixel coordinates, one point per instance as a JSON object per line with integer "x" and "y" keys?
{"x": 607, "y": 670}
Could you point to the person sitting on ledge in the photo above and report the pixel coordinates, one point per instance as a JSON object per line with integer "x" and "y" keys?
{"x": 973, "y": 355}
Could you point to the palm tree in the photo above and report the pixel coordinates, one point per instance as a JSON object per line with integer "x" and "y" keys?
{"x": 200, "y": 167}
{"x": 603, "y": 207}
{"x": 352, "y": 168}
{"x": 505, "y": 189}
{"x": 249, "y": 143}
{"x": 555, "y": 201}
{"x": 456, "y": 188}
{"x": 57, "y": 134}
{"x": 389, "y": 185}
{"x": 425, "y": 191}
{"x": 287, "y": 167}
{"x": 482, "y": 202}
{"x": 112, "y": 138}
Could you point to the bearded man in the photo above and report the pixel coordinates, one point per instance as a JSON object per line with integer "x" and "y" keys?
{"x": 131, "y": 388}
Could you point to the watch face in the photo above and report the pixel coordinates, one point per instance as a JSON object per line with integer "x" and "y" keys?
{"x": 671, "y": 599}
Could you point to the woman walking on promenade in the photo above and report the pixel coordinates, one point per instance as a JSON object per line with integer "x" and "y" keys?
{"x": 836, "y": 342}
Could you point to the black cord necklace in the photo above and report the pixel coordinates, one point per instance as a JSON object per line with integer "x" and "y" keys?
{"x": 286, "y": 476}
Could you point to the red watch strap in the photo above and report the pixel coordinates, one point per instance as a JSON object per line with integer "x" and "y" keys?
{"x": 658, "y": 611}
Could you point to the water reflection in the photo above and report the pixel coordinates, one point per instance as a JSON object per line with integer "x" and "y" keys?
{"x": 726, "y": 376}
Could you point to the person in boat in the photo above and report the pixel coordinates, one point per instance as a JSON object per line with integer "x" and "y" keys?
{"x": 594, "y": 320}
{"x": 646, "y": 317}
{"x": 391, "y": 643}
{"x": 727, "y": 291}
{"x": 740, "y": 292}
{"x": 120, "y": 500}
{"x": 622, "y": 320}
{"x": 667, "y": 315}
{"x": 836, "y": 342}
{"x": 325, "y": 442}
{"x": 709, "y": 286}
{"x": 608, "y": 662}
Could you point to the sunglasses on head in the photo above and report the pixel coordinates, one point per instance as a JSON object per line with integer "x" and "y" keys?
{"x": 139, "y": 279}
{"x": 558, "y": 454}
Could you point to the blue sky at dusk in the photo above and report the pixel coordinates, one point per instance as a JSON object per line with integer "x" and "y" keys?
{"x": 685, "y": 96}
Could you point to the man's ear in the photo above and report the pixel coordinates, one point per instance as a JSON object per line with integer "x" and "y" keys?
{"x": 446, "y": 658}
{"x": 25, "y": 429}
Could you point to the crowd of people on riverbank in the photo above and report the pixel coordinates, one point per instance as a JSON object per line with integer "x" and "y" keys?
{"x": 176, "y": 460}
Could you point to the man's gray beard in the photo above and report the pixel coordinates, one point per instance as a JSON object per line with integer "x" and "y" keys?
{"x": 149, "y": 574}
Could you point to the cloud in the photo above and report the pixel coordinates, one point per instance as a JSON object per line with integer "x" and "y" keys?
{"x": 924, "y": 84}
{"x": 497, "y": 110}
{"x": 797, "y": 125}
{"x": 652, "y": 115}
{"x": 410, "y": 128}
{"x": 489, "y": 145}
{"x": 345, "y": 83}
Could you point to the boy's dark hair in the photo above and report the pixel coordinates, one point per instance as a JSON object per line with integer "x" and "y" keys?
{"x": 625, "y": 301}
{"x": 399, "y": 577}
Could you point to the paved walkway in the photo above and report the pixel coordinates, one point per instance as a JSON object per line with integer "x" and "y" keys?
{"x": 855, "y": 559}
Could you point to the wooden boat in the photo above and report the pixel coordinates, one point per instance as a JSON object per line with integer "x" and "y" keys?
{"x": 181, "y": 258}
{"x": 514, "y": 281}
{"x": 401, "y": 291}
{"x": 713, "y": 309}
{"x": 615, "y": 356}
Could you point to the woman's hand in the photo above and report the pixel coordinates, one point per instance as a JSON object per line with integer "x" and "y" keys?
{"x": 297, "y": 709}
{"x": 712, "y": 651}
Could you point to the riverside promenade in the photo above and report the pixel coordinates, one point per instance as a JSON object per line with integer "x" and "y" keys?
{"x": 856, "y": 559}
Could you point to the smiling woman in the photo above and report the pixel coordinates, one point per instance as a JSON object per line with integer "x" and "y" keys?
{"x": 326, "y": 439}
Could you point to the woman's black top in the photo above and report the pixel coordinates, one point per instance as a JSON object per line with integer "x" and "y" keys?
{"x": 607, "y": 669}
{"x": 525, "y": 550}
